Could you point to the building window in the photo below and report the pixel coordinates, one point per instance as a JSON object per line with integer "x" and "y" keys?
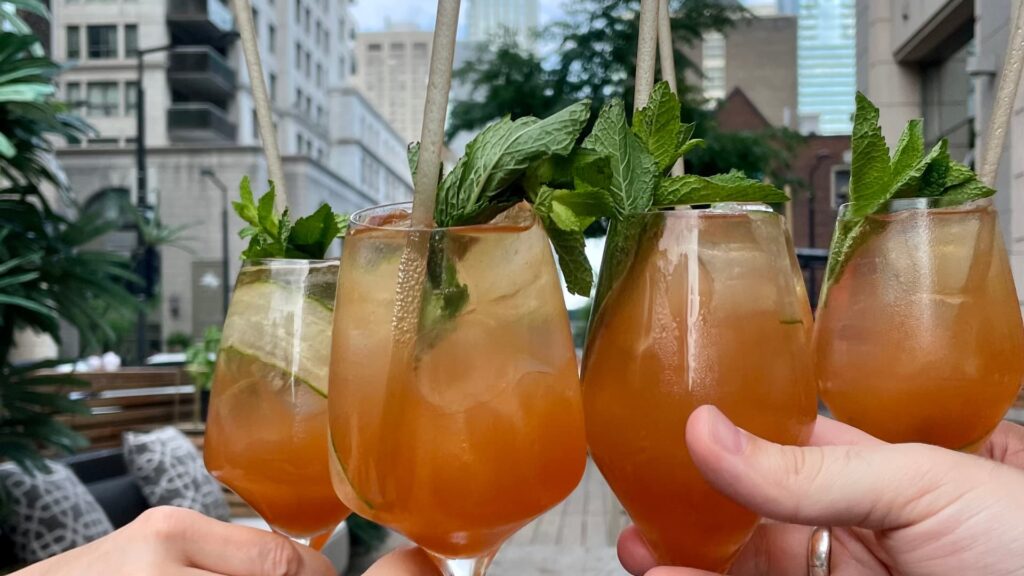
{"x": 308, "y": 25}
{"x": 102, "y": 42}
{"x": 298, "y": 56}
{"x": 299, "y": 143}
{"x": 840, "y": 186}
{"x": 74, "y": 43}
{"x": 309, "y": 106}
{"x": 342, "y": 67}
{"x": 319, "y": 75}
{"x": 255, "y": 126}
{"x": 309, "y": 65}
{"x": 73, "y": 93}
{"x": 256, "y": 21}
{"x": 130, "y": 97}
{"x": 103, "y": 99}
{"x": 375, "y": 48}
{"x": 298, "y": 98}
{"x": 272, "y": 37}
{"x": 131, "y": 41}
{"x": 273, "y": 87}
{"x": 298, "y": 11}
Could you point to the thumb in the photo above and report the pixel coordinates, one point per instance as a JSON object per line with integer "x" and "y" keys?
{"x": 874, "y": 486}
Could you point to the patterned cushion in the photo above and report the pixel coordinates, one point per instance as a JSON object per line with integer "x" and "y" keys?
{"x": 50, "y": 512}
{"x": 171, "y": 473}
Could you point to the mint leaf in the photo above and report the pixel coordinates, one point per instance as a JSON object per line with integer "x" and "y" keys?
{"x": 871, "y": 172}
{"x": 850, "y": 234}
{"x": 658, "y": 129}
{"x": 565, "y": 230}
{"x": 478, "y": 188}
{"x": 685, "y": 133}
{"x": 731, "y": 187}
{"x": 690, "y": 145}
{"x": 413, "y": 154}
{"x": 274, "y": 236}
{"x": 444, "y": 295}
{"x": 927, "y": 177}
{"x": 909, "y": 150}
{"x": 634, "y": 171}
{"x": 965, "y": 192}
{"x": 959, "y": 174}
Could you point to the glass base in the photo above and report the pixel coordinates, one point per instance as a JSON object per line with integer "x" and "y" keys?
{"x": 463, "y": 566}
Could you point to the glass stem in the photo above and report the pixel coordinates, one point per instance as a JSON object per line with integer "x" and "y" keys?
{"x": 464, "y": 566}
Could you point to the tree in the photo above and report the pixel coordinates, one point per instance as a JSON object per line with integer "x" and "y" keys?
{"x": 595, "y": 57}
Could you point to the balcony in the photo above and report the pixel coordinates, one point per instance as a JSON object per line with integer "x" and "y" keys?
{"x": 201, "y": 73}
{"x": 199, "y": 122}
{"x": 198, "y": 21}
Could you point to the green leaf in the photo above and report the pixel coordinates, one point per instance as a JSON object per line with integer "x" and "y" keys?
{"x": 314, "y": 234}
{"x": 588, "y": 202}
{"x": 500, "y": 155}
{"x": 7, "y": 149}
{"x": 690, "y": 146}
{"x": 909, "y": 150}
{"x": 246, "y": 208}
{"x": 731, "y": 187}
{"x": 850, "y": 234}
{"x": 871, "y": 173}
{"x": 927, "y": 177}
{"x": 413, "y": 155}
{"x": 657, "y": 126}
{"x": 11, "y": 300}
{"x": 964, "y": 193}
{"x": 959, "y": 174}
{"x": 634, "y": 171}
{"x": 265, "y": 210}
{"x": 565, "y": 229}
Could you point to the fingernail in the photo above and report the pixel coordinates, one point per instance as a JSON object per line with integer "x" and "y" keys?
{"x": 724, "y": 433}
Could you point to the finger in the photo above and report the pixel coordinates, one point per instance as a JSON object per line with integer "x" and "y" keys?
{"x": 200, "y": 542}
{"x": 408, "y": 562}
{"x": 666, "y": 571}
{"x": 830, "y": 485}
{"x": 1006, "y": 445}
{"x": 634, "y": 555}
{"x": 774, "y": 549}
{"x": 828, "y": 432}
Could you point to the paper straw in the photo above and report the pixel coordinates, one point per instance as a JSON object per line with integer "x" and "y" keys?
{"x": 264, "y": 115}
{"x": 646, "y": 53}
{"x": 1006, "y": 96}
{"x": 435, "y": 112}
{"x": 666, "y": 47}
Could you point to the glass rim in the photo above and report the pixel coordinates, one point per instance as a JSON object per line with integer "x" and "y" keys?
{"x": 270, "y": 262}
{"x": 717, "y": 210}
{"x": 355, "y": 222}
{"x": 921, "y": 203}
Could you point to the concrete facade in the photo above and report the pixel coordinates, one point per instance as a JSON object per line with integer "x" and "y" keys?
{"x": 200, "y": 116}
{"x": 940, "y": 60}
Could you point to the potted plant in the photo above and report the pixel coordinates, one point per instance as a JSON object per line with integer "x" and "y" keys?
{"x": 200, "y": 361}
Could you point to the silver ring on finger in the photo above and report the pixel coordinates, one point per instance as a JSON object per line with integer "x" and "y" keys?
{"x": 819, "y": 552}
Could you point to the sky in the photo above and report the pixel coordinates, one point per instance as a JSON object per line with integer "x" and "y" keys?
{"x": 375, "y": 15}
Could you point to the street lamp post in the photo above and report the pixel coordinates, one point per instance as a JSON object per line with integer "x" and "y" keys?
{"x": 209, "y": 174}
{"x": 819, "y": 160}
{"x": 145, "y": 253}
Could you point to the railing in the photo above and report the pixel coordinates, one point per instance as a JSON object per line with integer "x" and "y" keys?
{"x": 198, "y": 121}
{"x": 192, "y": 60}
{"x": 214, "y": 11}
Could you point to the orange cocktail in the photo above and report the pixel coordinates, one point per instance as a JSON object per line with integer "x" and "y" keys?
{"x": 703, "y": 309}
{"x": 464, "y": 431}
{"x": 919, "y": 337}
{"x": 266, "y": 437}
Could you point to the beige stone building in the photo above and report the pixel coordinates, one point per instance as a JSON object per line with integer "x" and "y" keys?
{"x": 391, "y": 71}
{"x": 940, "y": 60}
{"x": 759, "y": 57}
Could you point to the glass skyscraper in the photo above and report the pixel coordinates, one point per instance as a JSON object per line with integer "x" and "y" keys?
{"x": 490, "y": 17}
{"x": 827, "y": 64}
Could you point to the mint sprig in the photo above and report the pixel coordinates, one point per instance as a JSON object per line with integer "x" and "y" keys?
{"x": 273, "y": 235}
{"x": 876, "y": 179}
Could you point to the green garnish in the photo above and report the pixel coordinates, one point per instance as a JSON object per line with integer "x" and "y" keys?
{"x": 273, "y": 235}
{"x": 876, "y": 179}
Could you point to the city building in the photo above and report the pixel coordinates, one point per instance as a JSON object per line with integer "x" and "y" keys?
{"x": 488, "y": 18}
{"x": 790, "y": 7}
{"x": 737, "y": 59}
{"x": 200, "y": 126}
{"x": 392, "y": 71}
{"x": 940, "y": 60}
{"x": 826, "y": 66}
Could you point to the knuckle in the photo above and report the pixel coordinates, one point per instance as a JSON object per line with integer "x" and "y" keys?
{"x": 281, "y": 558}
{"x": 164, "y": 521}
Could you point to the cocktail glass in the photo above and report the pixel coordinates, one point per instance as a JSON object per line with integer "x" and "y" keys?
{"x": 919, "y": 335}
{"x": 266, "y": 436}
{"x": 693, "y": 307}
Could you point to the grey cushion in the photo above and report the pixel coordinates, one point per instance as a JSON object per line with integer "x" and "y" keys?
{"x": 50, "y": 512}
{"x": 170, "y": 472}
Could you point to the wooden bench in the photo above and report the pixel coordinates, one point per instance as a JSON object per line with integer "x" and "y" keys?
{"x": 131, "y": 399}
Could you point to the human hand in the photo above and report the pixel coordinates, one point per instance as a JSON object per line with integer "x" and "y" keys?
{"x": 907, "y": 509}
{"x": 406, "y": 562}
{"x": 177, "y": 542}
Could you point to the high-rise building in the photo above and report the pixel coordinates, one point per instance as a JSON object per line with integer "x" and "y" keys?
{"x": 200, "y": 122}
{"x": 790, "y": 7}
{"x": 392, "y": 71}
{"x": 826, "y": 65}
{"x": 490, "y": 17}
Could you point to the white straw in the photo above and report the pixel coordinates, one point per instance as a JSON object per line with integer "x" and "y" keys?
{"x": 435, "y": 112}
{"x": 1006, "y": 96}
{"x": 264, "y": 116}
{"x": 666, "y": 47}
{"x": 646, "y": 52}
